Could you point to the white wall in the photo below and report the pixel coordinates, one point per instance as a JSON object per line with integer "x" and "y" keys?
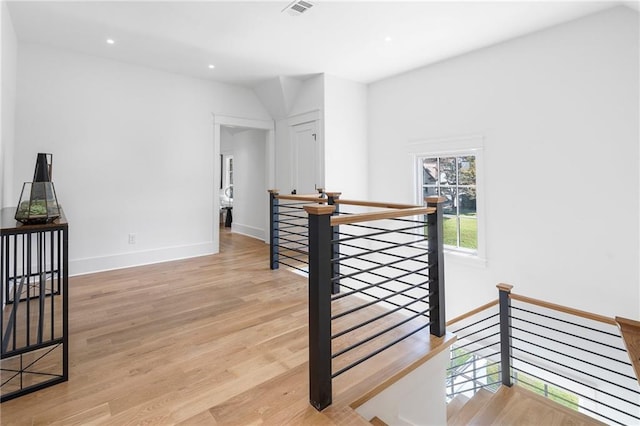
{"x": 559, "y": 114}
{"x": 8, "y": 61}
{"x": 345, "y": 138}
{"x": 310, "y": 98}
{"x": 283, "y": 157}
{"x": 415, "y": 399}
{"x": 132, "y": 151}
{"x": 226, "y": 141}
{"x": 249, "y": 183}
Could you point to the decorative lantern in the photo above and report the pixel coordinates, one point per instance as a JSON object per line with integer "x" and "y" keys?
{"x": 38, "y": 202}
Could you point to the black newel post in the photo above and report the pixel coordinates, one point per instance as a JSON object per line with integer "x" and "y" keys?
{"x": 436, "y": 266}
{"x": 335, "y": 252}
{"x": 505, "y": 332}
{"x": 320, "y": 234}
{"x": 273, "y": 229}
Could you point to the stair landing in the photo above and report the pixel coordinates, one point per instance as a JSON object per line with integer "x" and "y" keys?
{"x": 517, "y": 406}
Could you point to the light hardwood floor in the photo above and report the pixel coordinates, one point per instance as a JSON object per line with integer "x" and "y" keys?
{"x": 211, "y": 340}
{"x": 516, "y": 406}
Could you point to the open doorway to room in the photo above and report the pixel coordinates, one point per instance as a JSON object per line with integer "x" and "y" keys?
{"x": 226, "y": 181}
{"x": 243, "y": 173}
{"x": 243, "y": 184}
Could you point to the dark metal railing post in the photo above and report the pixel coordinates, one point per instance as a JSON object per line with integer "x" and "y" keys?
{"x": 335, "y": 249}
{"x": 505, "y": 332}
{"x": 320, "y": 234}
{"x": 436, "y": 266}
{"x": 273, "y": 229}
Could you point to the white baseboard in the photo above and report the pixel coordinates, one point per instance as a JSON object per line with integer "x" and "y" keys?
{"x": 126, "y": 260}
{"x": 249, "y": 231}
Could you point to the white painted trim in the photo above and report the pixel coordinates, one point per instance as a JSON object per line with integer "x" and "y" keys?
{"x": 91, "y": 265}
{"x": 446, "y": 144}
{"x": 270, "y": 162}
{"x": 305, "y": 117}
{"x": 228, "y": 120}
{"x": 270, "y": 177}
{"x": 466, "y": 259}
{"x": 249, "y": 231}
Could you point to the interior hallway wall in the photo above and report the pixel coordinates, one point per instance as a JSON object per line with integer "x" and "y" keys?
{"x": 310, "y": 98}
{"x": 8, "y": 61}
{"x": 559, "y": 114}
{"x": 345, "y": 139}
{"x": 132, "y": 150}
{"x": 249, "y": 186}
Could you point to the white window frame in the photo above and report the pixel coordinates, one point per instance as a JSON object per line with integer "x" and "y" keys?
{"x": 456, "y": 147}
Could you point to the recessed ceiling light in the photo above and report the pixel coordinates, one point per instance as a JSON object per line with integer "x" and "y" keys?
{"x": 388, "y": 39}
{"x": 211, "y": 66}
{"x": 111, "y": 41}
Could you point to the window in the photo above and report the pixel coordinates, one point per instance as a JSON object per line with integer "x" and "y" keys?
{"x": 453, "y": 177}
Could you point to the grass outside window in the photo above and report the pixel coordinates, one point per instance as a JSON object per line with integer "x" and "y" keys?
{"x": 468, "y": 232}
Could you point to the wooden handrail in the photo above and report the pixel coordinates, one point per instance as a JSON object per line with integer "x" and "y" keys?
{"x": 630, "y": 330}
{"x": 385, "y": 214}
{"x": 472, "y": 312}
{"x": 313, "y": 198}
{"x": 565, "y": 309}
{"x": 380, "y": 204}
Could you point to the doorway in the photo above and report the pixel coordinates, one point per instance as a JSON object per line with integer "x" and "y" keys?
{"x": 250, "y": 144}
{"x": 306, "y": 170}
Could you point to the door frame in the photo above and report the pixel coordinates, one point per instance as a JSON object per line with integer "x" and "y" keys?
{"x": 219, "y": 121}
{"x": 303, "y": 118}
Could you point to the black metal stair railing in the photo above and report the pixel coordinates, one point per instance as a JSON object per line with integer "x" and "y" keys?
{"x": 289, "y": 231}
{"x": 474, "y": 362}
{"x": 577, "y": 360}
{"x": 289, "y": 228}
{"x": 374, "y": 281}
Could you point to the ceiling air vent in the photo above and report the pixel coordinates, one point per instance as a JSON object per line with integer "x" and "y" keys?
{"x": 298, "y": 7}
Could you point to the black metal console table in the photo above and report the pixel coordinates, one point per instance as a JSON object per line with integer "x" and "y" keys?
{"x": 34, "y": 350}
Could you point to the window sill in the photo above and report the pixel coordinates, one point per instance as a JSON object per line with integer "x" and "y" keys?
{"x": 465, "y": 259}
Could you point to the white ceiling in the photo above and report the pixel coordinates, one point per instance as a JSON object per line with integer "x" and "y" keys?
{"x": 249, "y": 42}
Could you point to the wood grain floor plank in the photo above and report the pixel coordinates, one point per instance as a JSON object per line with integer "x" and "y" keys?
{"x": 210, "y": 340}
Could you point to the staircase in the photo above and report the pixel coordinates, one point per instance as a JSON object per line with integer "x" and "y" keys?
{"x": 630, "y": 331}
{"x": 512, "y": 406}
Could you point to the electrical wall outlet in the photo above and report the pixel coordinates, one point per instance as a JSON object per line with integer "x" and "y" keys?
{"x": 132, "y": 238}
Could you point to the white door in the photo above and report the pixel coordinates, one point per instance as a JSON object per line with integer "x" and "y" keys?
{"x": 306, "y": 165}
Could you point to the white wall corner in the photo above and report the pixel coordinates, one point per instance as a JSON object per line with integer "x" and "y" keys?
{"x": 271, "y": 96}
{"x": 290, "y": 87}
{"x": 278, "y": 95}
{"x": 249, "y": 231}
